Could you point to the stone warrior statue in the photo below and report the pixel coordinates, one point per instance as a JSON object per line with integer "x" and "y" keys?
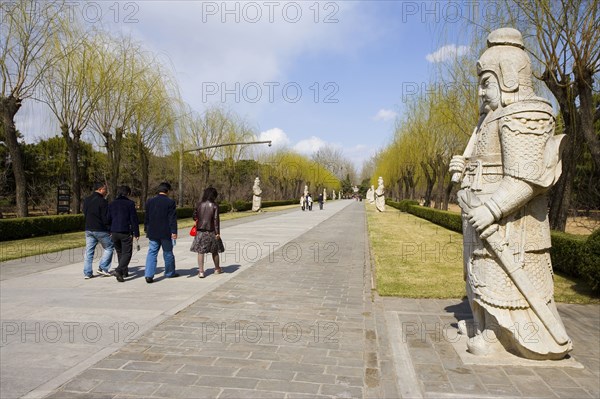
{"x": 256, "y": 198}
{"x": 380, "y": 195}
{"x": 512, "y": 159}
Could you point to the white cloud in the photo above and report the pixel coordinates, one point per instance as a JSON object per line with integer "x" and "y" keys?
{"x": 446, "y": 53}
{"x": 310, "y": 145}
{"x": 224, "y": 44}
{"x": 277, "y": 136}
{"x": 385, "y": 115}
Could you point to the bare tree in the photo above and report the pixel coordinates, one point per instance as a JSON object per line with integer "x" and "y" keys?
{"x": 26, "y": 28}
{"x": 214, "y": 127}
{"x": 565, "y": 38}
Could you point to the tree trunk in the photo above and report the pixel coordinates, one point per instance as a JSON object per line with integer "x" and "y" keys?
{"x": 113, "y": 150}
{"x": 144, "y": 160}
{"x": 9, "y": 106}
{"x": 442, "y": 171}
{"x": 449, "y": 188}
{"x": 400, "y": 185}
{"x": 406, "y": 187}
{"x": 74, "y": 173}
{"x": 205, "y": 171}
{"x": 561, "y": 193}
{"x": 430, "y": 177}
{"x": 586, "y": 115}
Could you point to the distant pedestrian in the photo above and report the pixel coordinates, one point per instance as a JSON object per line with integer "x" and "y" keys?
{"x": 309, "y": 201}
{"x": 320, "y": 200}
{"x": 303, "y": 202}
{"x": 95, "y": 212}
{"x": 124, "y": 226}
{"x": 208, "y": 226}
{"x": 160, "y": 225}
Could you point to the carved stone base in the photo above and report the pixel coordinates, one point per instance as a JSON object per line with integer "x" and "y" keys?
{"x": 462, "y": 342}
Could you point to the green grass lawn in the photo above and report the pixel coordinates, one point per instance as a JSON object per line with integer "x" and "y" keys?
{"x": 418, "y": 259}
{"x": 16, "y": 249}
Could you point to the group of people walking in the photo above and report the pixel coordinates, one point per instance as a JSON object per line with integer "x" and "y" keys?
{"x": 306, "y": 202}
{"x": 115, "y": 225}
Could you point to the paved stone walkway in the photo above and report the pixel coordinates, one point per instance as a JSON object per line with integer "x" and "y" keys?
{"x": 292, "y": 326}
{"x": 294, "y": 316}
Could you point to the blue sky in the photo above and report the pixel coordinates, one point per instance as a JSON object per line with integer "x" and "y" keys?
{"x": 358, "y": 61}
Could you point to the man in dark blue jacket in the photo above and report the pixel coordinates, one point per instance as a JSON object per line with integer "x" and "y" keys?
{"x": 124, "y": 226}
{"x": 95, "y": 212}
{"x": 160, "y": 224}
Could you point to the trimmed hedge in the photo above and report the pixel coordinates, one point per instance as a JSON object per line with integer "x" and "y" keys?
{"x": 449, "y": 220}
{"x": 20, "y": 228}
{"x": 567, "y": 249}
{"x": 590, "y": 261}
{"x": 571, "y": 254}
{"x": 402, "y": 205}
{"x": 268, "y": 204}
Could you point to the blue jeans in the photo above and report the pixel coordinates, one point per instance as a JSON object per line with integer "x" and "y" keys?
{"x": 92, "y": 238}
{"x": 153, "y": 248}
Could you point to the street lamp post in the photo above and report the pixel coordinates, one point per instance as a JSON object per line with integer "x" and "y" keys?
{"x": 182, "y": 151}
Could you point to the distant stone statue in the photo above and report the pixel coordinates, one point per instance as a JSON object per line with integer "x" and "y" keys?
{"x": 380, "y": 195}
{"x": 333, "y": 195}
{"x": 511, "y": 161}
{"x": 256, "y": 198}
{"x": 305, "y": 191}
{"x": 371, "y": 195}
{"x": 324, "y": 195}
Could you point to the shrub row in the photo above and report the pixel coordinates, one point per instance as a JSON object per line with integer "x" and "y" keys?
{"x": 402, "y": 205}
{"x": 19, "y": 228}
{"x": 571, "y": 254}
{"x": 15, "y": 229}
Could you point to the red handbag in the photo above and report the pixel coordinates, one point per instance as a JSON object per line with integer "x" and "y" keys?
{"x": 193, "y": 231}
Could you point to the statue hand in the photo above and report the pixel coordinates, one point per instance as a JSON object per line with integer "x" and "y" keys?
{"x": 457, "y": 164}
{"x": 480, "y": 217}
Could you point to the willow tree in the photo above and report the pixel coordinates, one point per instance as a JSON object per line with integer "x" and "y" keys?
{"x": 152, "y": 120}
{"x": 26, "y": 29}
{"x": 290, "y": 169}
{"x": 121, "y": 68}
{"x": 71, "y": 93}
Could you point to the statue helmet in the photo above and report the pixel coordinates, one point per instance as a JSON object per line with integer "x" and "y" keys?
{"x": 506, "y": 58}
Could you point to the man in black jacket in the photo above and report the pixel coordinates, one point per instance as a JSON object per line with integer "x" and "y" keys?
{"x": 95, "y": 211}
{"x": 124, "y": 226}
{"x": 160, "y": 225}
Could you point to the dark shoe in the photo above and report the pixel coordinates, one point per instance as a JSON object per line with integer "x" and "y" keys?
{"x": 174, "y": 275}
{"x": 126, "y": 274}
{"x": 119, "y": 277}
{"x": 149, "y": 280}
